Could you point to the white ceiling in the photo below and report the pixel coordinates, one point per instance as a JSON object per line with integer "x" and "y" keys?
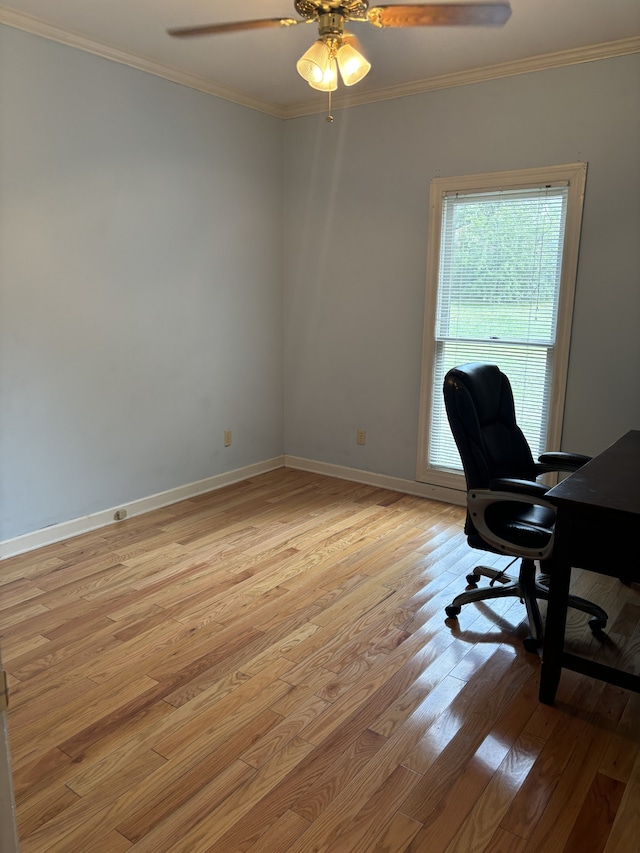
{"x": 258, "y": 67}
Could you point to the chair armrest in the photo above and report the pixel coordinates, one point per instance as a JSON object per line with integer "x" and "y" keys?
{"x": 522, "y": 487}
{"x": 479, "y": 500}
{"x": 558, "y": 460}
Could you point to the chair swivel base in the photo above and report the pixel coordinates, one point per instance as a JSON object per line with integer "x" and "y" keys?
{"x": 529, "y": 591}
{"x": 483, "y": 571}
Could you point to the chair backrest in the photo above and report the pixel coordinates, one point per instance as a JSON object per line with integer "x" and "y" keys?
{"x": 479, "y": 403}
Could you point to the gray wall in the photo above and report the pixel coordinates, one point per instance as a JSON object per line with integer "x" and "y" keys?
{"x": 356, "y": 201}
{"x": 142, "y": 271}
{"x": 141, "y": 284}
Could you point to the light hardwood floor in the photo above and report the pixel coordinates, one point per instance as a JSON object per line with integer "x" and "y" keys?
{"x": 267, "y": 668}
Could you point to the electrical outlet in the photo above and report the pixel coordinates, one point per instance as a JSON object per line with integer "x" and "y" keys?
{"x": 120, "y": 514}
{"x": 227, "y": 437}
{"x": 361, "y": 436}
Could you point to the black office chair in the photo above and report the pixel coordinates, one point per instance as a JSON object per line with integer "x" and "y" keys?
{"x": 506, "y": 510}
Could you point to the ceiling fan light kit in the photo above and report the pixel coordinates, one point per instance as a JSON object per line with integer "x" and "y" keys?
{"x": 352, "y": 63}
{"x": 336, "y": 50}
{"x": 320, "y": 64}
{"x": 318, "y": 67}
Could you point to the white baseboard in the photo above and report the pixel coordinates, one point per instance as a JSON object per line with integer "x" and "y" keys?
{"x": 76, "y": 526}
{"x": 369, "y": 478}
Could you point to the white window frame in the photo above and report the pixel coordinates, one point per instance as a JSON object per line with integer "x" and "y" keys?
{"x": 574, "y": 174}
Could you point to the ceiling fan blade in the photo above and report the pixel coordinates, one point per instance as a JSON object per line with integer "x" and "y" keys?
{"x": 440, "y": 15}
{"x": 235, "y": 26}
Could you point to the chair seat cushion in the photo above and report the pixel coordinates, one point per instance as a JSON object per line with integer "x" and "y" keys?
{"x": 524, "y": 525}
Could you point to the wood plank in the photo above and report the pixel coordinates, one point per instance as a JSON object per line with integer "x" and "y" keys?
{"x": 345, "y": 768}
{"x": 280, "y": 835}
{"x": 237, "y": 805}
{"x": 267, "y": 667}
{"x": 595, "y": 818}
{"x": 505, "y": 842}
{"x": 625, "y": 832}
{"x": 45, "y": 809}
{"x": 375, "y": 815}
{"x": 483, "y": 820}
{"x": 544, "y": 809}
{"x": 184, "y": 788}
{"x": 396, "y": 836}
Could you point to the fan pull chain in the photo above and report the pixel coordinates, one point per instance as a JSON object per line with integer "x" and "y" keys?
{"x": 329, "y": 116}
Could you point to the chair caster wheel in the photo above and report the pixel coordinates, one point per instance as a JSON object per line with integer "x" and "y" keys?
{"x": 531, "y": 644}
{"x": 597, "y": 625}
{"x": 472, "y": 579}
{"x": 452, "y": 611}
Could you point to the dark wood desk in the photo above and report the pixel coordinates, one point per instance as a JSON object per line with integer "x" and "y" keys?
{"x": 597, "y": 528}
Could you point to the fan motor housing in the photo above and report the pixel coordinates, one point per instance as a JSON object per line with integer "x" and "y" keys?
{"x": 331, "y": 24}
{"x": 311, "y": 9}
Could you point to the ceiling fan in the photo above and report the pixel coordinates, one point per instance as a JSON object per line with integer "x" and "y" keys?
{"x": 336, "y": 49}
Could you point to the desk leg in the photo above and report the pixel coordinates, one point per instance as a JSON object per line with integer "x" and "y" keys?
{"x": 553, "y": 646}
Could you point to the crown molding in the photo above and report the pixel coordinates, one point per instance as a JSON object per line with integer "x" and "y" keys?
{"x": 38, "y": 27}
{"x": 574, "y": 56}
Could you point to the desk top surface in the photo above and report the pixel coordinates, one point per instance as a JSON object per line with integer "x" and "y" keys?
{"x": 610, "y": 481}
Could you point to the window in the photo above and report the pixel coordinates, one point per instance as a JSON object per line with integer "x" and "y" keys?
{"x": 502, "y": 260}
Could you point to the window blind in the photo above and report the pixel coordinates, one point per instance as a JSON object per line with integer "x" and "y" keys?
{"x": 498, "y": 287}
